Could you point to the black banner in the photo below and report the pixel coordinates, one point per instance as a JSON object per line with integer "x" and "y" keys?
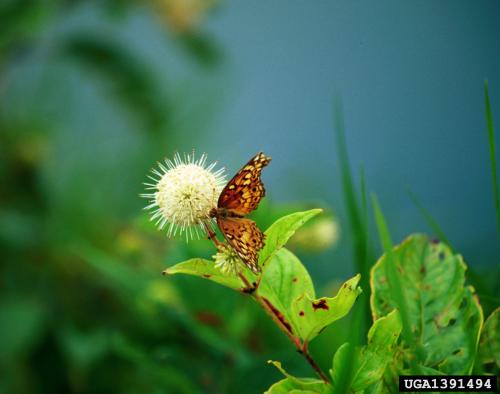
{"x": 462, "y": 383}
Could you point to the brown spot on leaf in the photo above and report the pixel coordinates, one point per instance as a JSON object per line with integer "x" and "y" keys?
{"x": 301, "y": 313}
{"x": 422, "y": 269}
{"x": 320, "y": 304}
{"x": 294, "y": 279}
{"x": 207, "y": 276}
{"x": 278, "y": 314}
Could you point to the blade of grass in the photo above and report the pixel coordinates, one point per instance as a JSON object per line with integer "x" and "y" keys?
{"x": 364, "y": 205}
{"x": 431, "y": 222}
{"x": 491, "y": 142}
{"x": 357, "y": 218}
{"x": 392, "y": 278}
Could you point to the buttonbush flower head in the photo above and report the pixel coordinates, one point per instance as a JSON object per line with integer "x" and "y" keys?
{"x": 183, "y": 193}
{"x": 318, "y": 236}
{"x": 227, "y": 261}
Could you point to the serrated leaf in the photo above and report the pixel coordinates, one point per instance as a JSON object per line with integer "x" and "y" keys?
{"x": 293, "y": 384}
{"x": 444, "y": 316}
{"x": 489, "y": 346}
{"x": 280, "y": 232}
{"x": 311, "y": 315}
{"x": 205, "y": 269}
{"x": 370, "y": 362}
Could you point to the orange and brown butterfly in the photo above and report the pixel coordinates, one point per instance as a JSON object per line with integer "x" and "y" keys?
{"x": 241, "y": 196}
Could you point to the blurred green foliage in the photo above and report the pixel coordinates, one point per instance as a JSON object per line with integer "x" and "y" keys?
{"x": 85, "y": 109}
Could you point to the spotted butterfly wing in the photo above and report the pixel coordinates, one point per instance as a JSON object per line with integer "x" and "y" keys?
{"x": 243, "y": 193}
{"x": 240, "y": 197}
{"x": 245, "y": 238}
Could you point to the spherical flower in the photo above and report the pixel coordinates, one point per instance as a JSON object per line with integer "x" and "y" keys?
{"x": 227, "y": 261}
{"x": 183, "y": 193}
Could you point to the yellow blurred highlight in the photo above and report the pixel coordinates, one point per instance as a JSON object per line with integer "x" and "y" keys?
{"x": 130, "y": 241}
{"x": 321, "y": 234}
{"x": 183, "y": 15}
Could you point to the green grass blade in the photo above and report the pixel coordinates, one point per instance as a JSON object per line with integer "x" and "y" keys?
{"x": 392, "y": 275}
{"x": 346, "y": 176}
{"x": 355, "y": 217}
{"x": 431, "y": 222}
{"x": 364, "y": 204}
{"x": 491, "y": 142}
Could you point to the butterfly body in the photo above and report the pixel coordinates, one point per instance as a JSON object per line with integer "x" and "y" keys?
{"x": 225, "y": 213}
{"x": 241, "y": 196}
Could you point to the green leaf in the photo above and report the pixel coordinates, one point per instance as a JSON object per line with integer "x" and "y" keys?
{"x": 283, "y": 281}
{"x": 207, "y": 270}
{"x": 444, "y": 316}
{"x": 311, "y": 315}
{"x": 280, "y": 232}
{"x": 293, "y": 384}
{"x": 276, "y": 237}
{"x": 384, "y": 332}
{"x": 489, "y": 347}
{"x": 370, "y": 362}
{"x": 288, "y": 289}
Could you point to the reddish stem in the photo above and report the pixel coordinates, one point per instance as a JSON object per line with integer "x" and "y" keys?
{"x": 302, "y": 348}
{"x": 212, "y": 236}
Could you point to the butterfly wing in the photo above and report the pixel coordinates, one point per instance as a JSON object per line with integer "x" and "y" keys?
{"x": 244, "y": 237}
{"x": 243, "y": 193}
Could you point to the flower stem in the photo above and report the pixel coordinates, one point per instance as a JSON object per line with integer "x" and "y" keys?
{"x": 212, "y": 236}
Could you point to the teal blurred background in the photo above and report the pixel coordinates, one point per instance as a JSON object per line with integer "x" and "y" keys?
{"x": 93, "y": 93}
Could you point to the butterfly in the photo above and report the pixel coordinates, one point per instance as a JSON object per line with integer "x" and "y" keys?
{"x": 241, "y": 196}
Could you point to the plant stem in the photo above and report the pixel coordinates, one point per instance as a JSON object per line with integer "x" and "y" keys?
{"x": 313, "y": 364}
{"x": 302, "y": 348}
{"x": 212, "y": 236}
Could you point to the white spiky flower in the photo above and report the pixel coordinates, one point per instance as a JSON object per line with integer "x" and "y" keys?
{"x": 183, "y": 193}
{"x": 227, "y": 261}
